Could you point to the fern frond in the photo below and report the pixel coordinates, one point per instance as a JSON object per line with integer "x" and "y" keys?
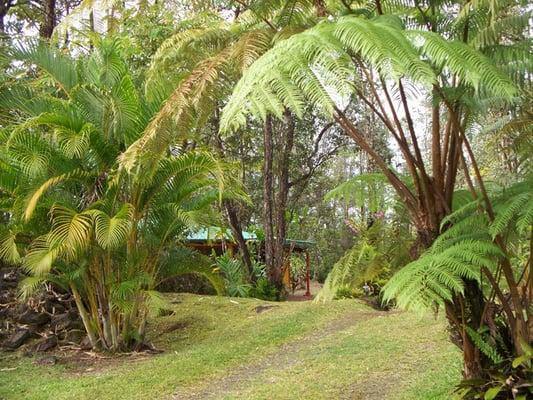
{"x": 485, "y": 347}
{"x": 509, "y": 211}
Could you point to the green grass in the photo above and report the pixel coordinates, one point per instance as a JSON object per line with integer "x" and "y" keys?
{"x": 393, "y": 356}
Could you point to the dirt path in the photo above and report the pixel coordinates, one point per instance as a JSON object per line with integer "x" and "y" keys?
{"x": 285, "y": 357}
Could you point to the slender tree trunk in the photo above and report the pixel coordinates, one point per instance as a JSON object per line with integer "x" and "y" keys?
{"x": 5, "y": 5}
{"x": 3, "y": 13}
{"x": 49, "y": 19}
{"x": 283, "y": 191}
{"x": 236, "y": 229}
{"x": 85, "y": 318}
{"x": 274, "y": 274}
{"x": 321, "y": 10}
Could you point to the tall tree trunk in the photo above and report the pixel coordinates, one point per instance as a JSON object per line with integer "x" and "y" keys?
{"x": 274, "y": 274}
{"x": 5, "y": 5}
{"x": 283, "y": 190}
{"x": 428, "y": 204}
{"x": 49, "y": 19}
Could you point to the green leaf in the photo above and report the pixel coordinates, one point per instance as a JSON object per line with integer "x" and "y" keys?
{"x": 492, "y": 393}
{"x": 521, "y": 360}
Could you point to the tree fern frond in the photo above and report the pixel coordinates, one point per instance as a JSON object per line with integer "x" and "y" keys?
{"x": 472, "y": 66}
{"x": 461, "y": 212}
{"x": 485, "y": 347}
{"x": 510, "y": 211}
{"x": 492, "y": 34}
{"x": 525, "y": 219}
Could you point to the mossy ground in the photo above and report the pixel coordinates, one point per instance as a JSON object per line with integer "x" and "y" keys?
{"x": 221, "y": 348}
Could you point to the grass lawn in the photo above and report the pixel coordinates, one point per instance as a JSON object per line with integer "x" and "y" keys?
{"x": 221, "y": 348}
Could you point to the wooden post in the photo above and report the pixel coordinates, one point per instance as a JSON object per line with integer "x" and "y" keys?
{"x": 307, "y": 274}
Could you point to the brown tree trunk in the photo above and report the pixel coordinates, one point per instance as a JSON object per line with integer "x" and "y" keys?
{"x": 274, "y": 274}
{"x": 49, "y": 19}
{"x": 236, "y": 229}
{"x": 321, "y": 10}
{"x": 283, "y": 190}
{"x": 5, "y": 5}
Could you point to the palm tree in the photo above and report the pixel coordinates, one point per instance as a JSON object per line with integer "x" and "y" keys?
{"x": 77, "y": 218}
{"x": 463, "y": 59}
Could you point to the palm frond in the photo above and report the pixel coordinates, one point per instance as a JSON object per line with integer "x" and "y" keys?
{"x": 61, "y": 68}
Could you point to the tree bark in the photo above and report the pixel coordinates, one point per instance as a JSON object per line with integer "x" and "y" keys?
{"x": 5, "y": 5}
{"x": 273, "y": 273}
{"x": 236, "y": 229}
{"x": 49, "y": 19}
{"x": 280, "y": 221}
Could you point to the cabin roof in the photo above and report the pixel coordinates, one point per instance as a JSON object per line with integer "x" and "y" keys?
{"x": 216, "y": 234}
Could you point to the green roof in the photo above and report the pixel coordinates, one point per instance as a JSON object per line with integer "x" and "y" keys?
{"x": 214, "y": 234}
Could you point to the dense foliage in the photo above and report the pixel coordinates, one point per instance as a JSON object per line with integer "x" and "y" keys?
{"x": 392, "y": 134}
{"x": 76, "y": 218}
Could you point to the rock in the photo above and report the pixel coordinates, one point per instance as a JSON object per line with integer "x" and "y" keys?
{"x": 147, "y": 347}
{"x": 75, "y": 336}
{"x": 6, "y": 285}
{"x": 46, "y": 344}
{"x": 10, "y": 275}
{"x": 165, "y": 312}
{"x": 17, "y": 339}
{"x": 54, "y": 307}
{"x": 20, "y": 309}
{"x": 66, "y": 321}
{"x": 5, "y": 297}
{"x": 85, "y": 343}
{"x": 263, "y": 308}
{"x": 48, "y": 360}
{"x": 31, "y": 317}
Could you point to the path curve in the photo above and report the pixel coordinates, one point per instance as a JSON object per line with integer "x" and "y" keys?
{"x": 285, "y": 356}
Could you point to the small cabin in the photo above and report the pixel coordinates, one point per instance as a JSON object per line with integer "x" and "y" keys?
{"x": 218, "y": 240}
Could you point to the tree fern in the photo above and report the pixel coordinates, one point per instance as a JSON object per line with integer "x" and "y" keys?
{"x": 326, "y": 49}
{"x": 463, "y": 250}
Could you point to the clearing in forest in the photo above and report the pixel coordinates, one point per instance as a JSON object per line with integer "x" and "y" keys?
{"x": 222, "y": 348}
